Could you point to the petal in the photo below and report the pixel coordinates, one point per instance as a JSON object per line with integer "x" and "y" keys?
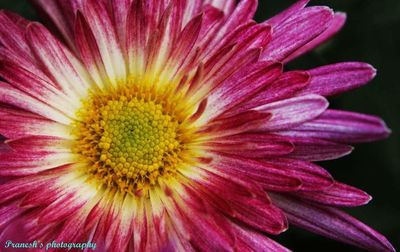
{"x": 239, "y": 87}
{"x": 297, "y": 31}
{"x": 312, "y": 176}
{"x": 338, "y": 78}
{"x": 57, "y": 62}
{"x": 107, "y": 41}
{"x": 288, "y": 13}
{"x": 286, "y": 86}
{"x": 335, "y": 26}
{"x": 342, "y": 127}
{"x": 11, "y": 96}
{"x": 313, "y": 149}
{"x": 332, "y": 223}
{"x": 252, "y": 145}
{"x": 254, "y": 241}
{"x": 61, "y": 14}
{"x": 292, "y": 112}
{"x": 267, "y": 176}
{"x": 12, "y": 37}
{"x": 17, "y": 123}
{"x": 337, "y": 195}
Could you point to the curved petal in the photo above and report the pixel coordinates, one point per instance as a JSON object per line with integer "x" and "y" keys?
{"x": 332, "y": 223}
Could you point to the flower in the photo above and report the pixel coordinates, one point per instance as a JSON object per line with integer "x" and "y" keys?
{"x": 172, "y": 125}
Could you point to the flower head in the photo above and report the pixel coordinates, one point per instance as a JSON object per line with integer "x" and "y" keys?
{"x": 173, "y": 125}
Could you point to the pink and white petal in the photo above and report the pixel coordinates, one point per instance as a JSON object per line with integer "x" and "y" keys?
{"x": 238, "y": 88}
{"x": 227, "y": 6}
{"x": 313, "y": 177}
{"x": 263, "y": 174}
{"x": 288, "y": 13}
{"x": 119, "y": 10}
{"x": 249, "y": 240}
{"x": 247, "y": 206}
{"x": 22, "y": 164}
{"x": 243, "y": 12}
{"x": 19, "y": 123}
{"x": 42, "y": 89}
{"x": 12, "y": 37}
{"x": 11, "y": 96}
{"x": 297, "y": 31}
{"x": 336, "y": 25}
{"x": 67, "y": 204}
{"x": 56, "y": 61}
{"x": 61, "y": 15}
{"x": 337, "y": 195}
{"x": 252, "y": 145}
{"x": 7, "y": 214}
{"x": 292, "y": 112}
{"x": 343, "y": 127}
{"x": 338, "y": 78}
{"x": 286, "y": 86}
{"x": 332, "y": 223}
{"x": 101, "y": 25}
{"x": 314, "y": 149}
{"x": 89, "y": 52}
{"x": 17, "y": 188}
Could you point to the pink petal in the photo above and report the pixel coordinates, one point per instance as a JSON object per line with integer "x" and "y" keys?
{"x": 337, "y": 195}
{"x": 252, "y": 145}
{"x": 338, "y": 78}
{"x": 39, "y": 87}
{"x": 288, "y": 13}
{"x": 57, "y": 62}
{"x": 292, "y": 112}
{"x": 286, "y": 86}
{"x": 313, "y": 149}
{"x": 239, "y": 87}
{"x": 335, "y": 26}
{"x": 342, "y": 127}
{"x": 11, "y": 96}
{"x": 61, "y": 14}
{"x": 249, "y": 240}
{"x": 332, "y": 223}
{"x": 105, "y": 35}
{"x": 312, "y": 176}
{"x": 268, "y": 176}
{"x": 297, "y": 31}
{"x": 12, "y": 37}
{"x": 19, "y": 123}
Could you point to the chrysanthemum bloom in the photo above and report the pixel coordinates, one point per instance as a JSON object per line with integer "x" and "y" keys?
{"x": 151, "y": 125}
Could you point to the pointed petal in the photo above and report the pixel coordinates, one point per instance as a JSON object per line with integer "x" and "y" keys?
{"x": 297, "y": 31}
{"x": 338, "y": 78}
{"x": 343, "y": 127}
{"x": 332, "y": 223}
{"x": 334, "y": 27}
{"x": 337, "y": 195}
{"x": 292, "y": 112}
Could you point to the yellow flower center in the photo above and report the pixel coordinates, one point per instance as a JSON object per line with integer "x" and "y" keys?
{"x": 128, "y": 139}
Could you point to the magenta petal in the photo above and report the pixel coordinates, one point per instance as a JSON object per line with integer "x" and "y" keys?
{"x": 312, "y": 176}
{"x": 337, "y": 195}
{"x": 254, "y": 241}
{"x": 343, "y": 127}
{"x": 334, "y": 27}
{"x": 338, "y": 78}
{"x": 297, "y": 31}
{"x": 292, "y": 112}
{"x": 313, "y": 149}
{"x": 288, "y": 13}
{"x": 332, "y": 223}
{"x": 252, "y": 145}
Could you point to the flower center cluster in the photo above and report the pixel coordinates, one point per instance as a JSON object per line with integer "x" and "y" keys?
{"x": 127, "y": 140}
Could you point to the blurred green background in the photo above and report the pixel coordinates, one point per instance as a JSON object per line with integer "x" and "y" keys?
{"x": 372, "y": 34}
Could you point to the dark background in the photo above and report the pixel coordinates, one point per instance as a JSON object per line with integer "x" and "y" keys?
{"x": 372, "y": 34}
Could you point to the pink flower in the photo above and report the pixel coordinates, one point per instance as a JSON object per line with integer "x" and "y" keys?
{"x": 172, "y": 125}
